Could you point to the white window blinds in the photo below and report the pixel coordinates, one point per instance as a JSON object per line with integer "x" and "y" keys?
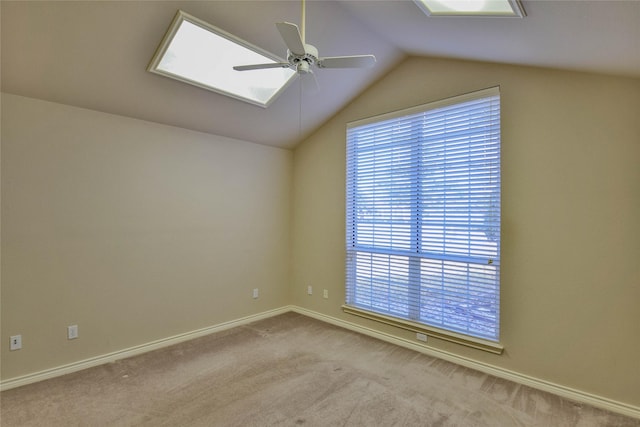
{"x": 423, "y": 214}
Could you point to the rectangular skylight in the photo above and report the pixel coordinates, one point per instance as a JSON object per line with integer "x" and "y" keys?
{"x": 200, "y": 54}
{"x": 498, "y": 8}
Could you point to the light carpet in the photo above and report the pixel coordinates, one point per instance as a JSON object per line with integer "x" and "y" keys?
{"x": 289, "y": 370}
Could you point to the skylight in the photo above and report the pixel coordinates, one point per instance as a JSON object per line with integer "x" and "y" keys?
{"x": 200, "y": 54}
{"x": 499, "y": 8}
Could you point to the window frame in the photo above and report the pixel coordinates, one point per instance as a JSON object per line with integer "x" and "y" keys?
{"x": 217, "y": 64}
{"x": 410, "y": 321}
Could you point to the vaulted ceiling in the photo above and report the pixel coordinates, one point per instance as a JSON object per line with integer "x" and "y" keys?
{"x": 94, "y": 54}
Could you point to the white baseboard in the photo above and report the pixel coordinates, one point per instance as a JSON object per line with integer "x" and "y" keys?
{"x": 134, "y": 351}
{"x": 566, "y": 392}
{"x": 562, "y": 391}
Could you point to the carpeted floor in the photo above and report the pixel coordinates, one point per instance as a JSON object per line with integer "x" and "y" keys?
{"x": 289, "y": 370}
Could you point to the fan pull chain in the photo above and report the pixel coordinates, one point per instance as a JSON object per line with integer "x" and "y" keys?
{"x": 300, "y": 108}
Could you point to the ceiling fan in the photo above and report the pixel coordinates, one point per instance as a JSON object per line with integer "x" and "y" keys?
{"x": 302, "y": 57}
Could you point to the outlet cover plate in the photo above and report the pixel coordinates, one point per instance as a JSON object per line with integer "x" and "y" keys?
{"x": 16, "y": 342}
{"x": 72, "y": 332}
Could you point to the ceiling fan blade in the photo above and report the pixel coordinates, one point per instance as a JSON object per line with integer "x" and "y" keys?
{"x": 355, "y": 61}
{"x": 261, "y": 66}
{"x": 291, "y": 36}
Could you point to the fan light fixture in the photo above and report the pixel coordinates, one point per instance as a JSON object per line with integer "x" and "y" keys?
{"x": 498, "y": 8}
{"x": 200, "y": 54}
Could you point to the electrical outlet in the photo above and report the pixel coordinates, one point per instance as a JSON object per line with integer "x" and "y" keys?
{"x": 325, "y": 294}
{"x": 72, "y": 332}
{"x": 16, "y": 342}
{"x": 421, "y": 337}
{"x": 256, "y": 293}
{"x": 309, "y": 290}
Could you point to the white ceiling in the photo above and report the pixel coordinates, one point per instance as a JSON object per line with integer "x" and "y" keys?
{"x": 94, "y": 54}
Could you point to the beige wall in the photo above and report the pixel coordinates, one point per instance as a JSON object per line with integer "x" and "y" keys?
{"x": 570, "y": 219}
{"x": 132, "y": 230}
{"x": 137, "y": 231}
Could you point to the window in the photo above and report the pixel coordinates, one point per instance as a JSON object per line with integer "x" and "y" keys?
{"x": 423, "y": 218}
{"x": 495, "y": 8}
{"x": 200, "y": 54}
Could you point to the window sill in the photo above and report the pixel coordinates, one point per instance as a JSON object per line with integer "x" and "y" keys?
{"x": 476, "y": 343}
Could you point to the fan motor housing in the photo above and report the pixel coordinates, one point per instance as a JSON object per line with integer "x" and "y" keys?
{"x": 302, "y": 63}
